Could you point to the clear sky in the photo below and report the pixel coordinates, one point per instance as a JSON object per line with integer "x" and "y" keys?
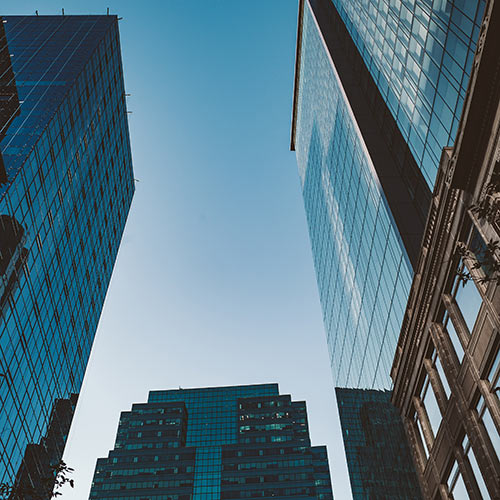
{"x": 214, "y": 282}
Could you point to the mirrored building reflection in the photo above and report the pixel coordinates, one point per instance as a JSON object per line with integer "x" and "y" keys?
{"x": 35, "y": 479}
{"x": 66, "y": 185}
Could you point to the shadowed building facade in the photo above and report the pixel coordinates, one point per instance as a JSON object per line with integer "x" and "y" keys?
{"x": 214, "y": 443}
{"x": 66, "y": 186}
{"x": 378, "y": 457}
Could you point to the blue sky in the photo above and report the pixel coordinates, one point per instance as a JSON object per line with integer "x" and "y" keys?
{"x": 214, "y": 283}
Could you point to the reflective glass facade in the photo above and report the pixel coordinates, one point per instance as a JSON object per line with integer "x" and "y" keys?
{"x": 378, "y": 93}
{"x": 66, "y": 186}
{"x": 362, "y": 269}
{"x": 36, "y": 472}
{"x": 420, "y": 55}
{"x": 214, "y": 443}
{"x": 378, "y": 457}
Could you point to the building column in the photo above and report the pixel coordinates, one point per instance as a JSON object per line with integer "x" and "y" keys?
{"x": 418, "y": 452}
{"x": 487, "y": 461}
{"x": 436, "y": 385}
{"x": 424, "y": 422}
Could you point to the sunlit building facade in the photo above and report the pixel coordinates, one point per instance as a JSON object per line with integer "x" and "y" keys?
{"x": 66, "y": 186}
{"x": 420, "y": 56}
{"x": 211, "y": 444}
{"x": 379, "y": 88}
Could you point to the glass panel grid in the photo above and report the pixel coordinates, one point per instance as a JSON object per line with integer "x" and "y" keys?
{"x": 68, "y": 187}
{"x": 420, "y": 55}
{"x": 362, "y": 269}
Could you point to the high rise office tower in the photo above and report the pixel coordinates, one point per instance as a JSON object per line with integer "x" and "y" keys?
{"x": 378, "y": 456}
{"x": 66, "y": 186}
{"x": 214, "y": 443}
{"x": 379, "y": 88}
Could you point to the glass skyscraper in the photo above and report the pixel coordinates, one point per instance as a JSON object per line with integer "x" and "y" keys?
{"x": 420, "y": 56}
{"x": 378, "y": 456}
{"x": 379, "y": 88}
{"x": 214, "y": 443}
{"x": 66, "y": 185}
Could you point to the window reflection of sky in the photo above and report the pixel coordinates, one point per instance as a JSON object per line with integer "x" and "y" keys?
{"x": 362, "y": 269}
{"x": 71, "y": 206}
{"x": 420, "y": 56}
{"x": 469, "y": 302}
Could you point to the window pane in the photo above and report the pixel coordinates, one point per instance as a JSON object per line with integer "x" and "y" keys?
{"x": 493, "y": 373}
{"x": 469, "y": 301}
{"x": 460, "y": 491}
{"x": 477, "y": 474}
{"x": 442, "y": 376}
{"x": 454, "y": 338}
{"x": 422, "y": 438}
{"x": 433, "y": 411}
{"x": 491, "y": 429}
